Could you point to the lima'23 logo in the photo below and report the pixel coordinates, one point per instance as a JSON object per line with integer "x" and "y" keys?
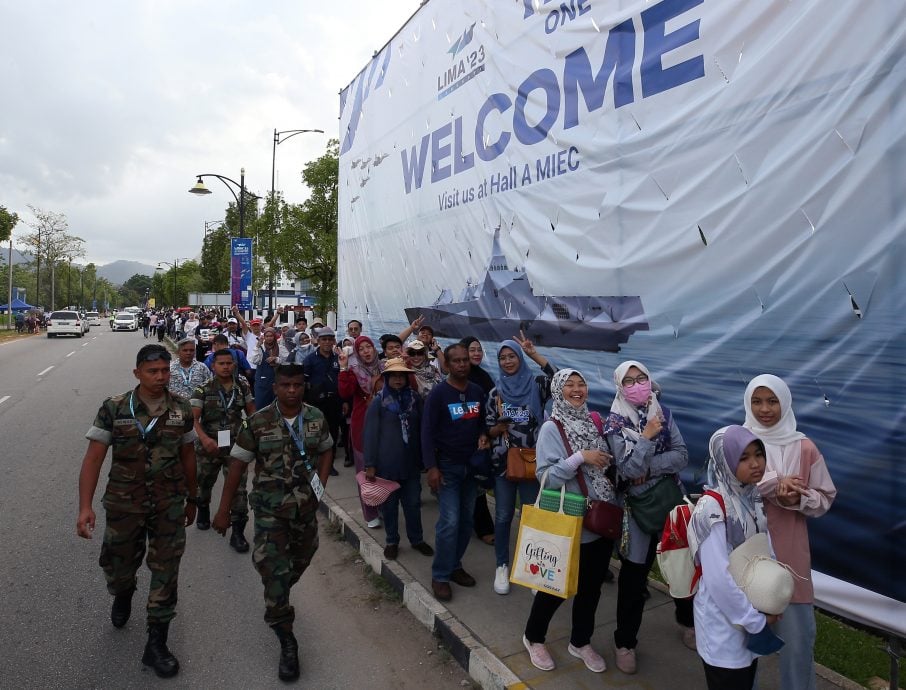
{"x": 461, "y": 42}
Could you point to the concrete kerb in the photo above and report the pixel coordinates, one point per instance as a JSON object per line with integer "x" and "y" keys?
{"x": 478, "y": 661}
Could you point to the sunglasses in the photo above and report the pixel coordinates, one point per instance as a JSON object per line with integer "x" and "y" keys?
{"x": 154, "y": 356}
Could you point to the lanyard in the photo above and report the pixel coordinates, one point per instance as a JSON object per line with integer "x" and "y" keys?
{"x": 298, "y": 441}
{"x": 227, "y": 405}
{"x": 186, "y": 377}
{"x": 142, "y": 430}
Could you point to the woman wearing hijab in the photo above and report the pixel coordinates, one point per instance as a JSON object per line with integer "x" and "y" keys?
{"x": 796, "y": 486}
{"x": 360, "y": 378}
{"x": 724, "y": 618}
{"x": 269, "y": 353}
{"x": 559, "y": 465}
{"x": 392, "y": 450}
{"x": 646, "y": 445}
{"x": 483, "y": 523}
{"x": 515, "y": 414}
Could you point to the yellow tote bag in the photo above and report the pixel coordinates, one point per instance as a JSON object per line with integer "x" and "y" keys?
{"x": 547, "y": 550}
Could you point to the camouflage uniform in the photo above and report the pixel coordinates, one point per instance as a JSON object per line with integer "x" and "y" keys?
{"x": 214, "y": 418}
{"x": 286, "y": 527}
{"x": 145, "y": 496}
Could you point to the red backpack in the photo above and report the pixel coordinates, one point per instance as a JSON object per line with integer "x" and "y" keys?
{"x": 674, "y": 558}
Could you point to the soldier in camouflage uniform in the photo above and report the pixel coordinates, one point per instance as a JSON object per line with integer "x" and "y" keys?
{"x": 149, "y": 497}
{"x": 292, "y": 449}
{"x": 218, "y": 406}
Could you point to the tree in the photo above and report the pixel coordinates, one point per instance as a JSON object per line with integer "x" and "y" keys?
{"x": 7, "y": 223}
{"x": 308, "y": 239}
{"x": 134, "y": 289}
{"x": 44, "y": 225}
{"x": 215, "y": 260}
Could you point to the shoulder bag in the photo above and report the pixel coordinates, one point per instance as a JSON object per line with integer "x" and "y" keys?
{"x": 520, "y": 462}
{"x": 602, "y": 518}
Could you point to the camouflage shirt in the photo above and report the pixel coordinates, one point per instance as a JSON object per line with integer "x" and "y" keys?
{"x": 221, "y": 409}
{"x": 281, "y": 485}
{"x": 145, "y": 475}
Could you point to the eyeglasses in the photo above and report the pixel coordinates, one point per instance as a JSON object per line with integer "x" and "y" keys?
{"x": 628, "y": 381}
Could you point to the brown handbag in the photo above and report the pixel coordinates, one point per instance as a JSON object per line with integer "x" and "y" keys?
{"x": 520, "y": 464}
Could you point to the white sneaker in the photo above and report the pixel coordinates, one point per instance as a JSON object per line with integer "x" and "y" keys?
{"x": 593, "y": 661}
{"x": 502, "y": 580}
{"x": 374, "y": 524}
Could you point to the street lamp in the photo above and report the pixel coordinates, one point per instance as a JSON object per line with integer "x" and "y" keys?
{"x": 175, "y": 267}
{"x": 279, "y": 138}
{"x": 201, "y": 190}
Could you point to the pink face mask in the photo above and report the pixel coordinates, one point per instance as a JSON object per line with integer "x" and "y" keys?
{"x": 638, "y": 393}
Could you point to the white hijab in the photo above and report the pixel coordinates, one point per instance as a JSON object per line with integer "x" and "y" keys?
{"x": 781, "y": 440}
{"x": 626, "y": 409}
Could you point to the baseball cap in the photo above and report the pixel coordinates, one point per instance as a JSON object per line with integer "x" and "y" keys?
{"x": 415, "y": 345}
{"x": 232, "y": 320}
{"x": 255, "y": 322}
{"x": 326, "y": 332}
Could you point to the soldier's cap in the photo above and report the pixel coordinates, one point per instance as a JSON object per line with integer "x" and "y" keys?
{"x": 152, "y": 353}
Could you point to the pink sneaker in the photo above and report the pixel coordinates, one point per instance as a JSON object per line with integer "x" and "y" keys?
{"x": 626, "y": 660}
{"x": 593, "y": 661}
{"x": 539, "y": 655}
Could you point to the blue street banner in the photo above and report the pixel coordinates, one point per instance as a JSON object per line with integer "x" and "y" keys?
{"x": 241, "y": 272}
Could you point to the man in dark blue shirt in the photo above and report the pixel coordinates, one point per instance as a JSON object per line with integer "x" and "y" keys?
{"x": 452, "y": 432}
{"x": 322, "y": 373}
{"x": 221, "y": 342}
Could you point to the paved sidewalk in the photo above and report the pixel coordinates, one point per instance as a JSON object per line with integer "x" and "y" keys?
{"x": 484, "y": 629}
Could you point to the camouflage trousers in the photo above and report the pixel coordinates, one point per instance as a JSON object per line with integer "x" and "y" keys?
{"x": 125, "y": 538}
{"x": 283, "y": 550}
{"x": 208, "y": 467}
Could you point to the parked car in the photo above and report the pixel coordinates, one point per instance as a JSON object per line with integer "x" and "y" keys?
{"x": 65, "y": 323}
{"x": 124, "y": 321}
{"x": 94, "y": 318}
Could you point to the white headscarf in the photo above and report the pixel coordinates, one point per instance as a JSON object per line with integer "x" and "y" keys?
{"x": 626, "y": 409}
{"x": 780, "y": 440}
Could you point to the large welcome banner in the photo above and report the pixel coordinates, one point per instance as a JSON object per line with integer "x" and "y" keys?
{"x": 714, "y": 188}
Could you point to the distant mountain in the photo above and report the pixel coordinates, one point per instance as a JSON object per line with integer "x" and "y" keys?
{"x": 120, "y": 271}
{"x": 117, "y": 272}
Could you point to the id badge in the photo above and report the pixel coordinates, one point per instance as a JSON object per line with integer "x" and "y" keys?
{"x": 317, "y": 486}
{"x": 223, "y": 438}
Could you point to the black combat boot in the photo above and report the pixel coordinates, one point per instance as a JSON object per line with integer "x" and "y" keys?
{"x": 122, "y": 608}
{"x": 156, "y": 655}
{"x": 237, "y": 537}
{"x": 288, "y": 668}
{"x": 203, "y": 519}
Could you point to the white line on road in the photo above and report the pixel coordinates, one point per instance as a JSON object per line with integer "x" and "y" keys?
{"x": 71, "y": 354}
{"x": 85, "y": 345}
{"x": 41, "y": 373}
{"x": 4, "y": 399}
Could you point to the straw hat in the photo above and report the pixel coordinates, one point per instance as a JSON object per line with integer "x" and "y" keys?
{"x": 767, "y": 583}
{"x": 396, "y": 366}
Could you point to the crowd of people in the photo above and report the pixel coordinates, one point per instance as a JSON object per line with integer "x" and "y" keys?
{"x": 402, "y": 407}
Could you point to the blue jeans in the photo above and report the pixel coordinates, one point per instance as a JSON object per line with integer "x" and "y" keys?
{"x": 797, "y": 665}
{"x": 410, "y": 496}
{"x": 456, "y": 503}
{"x": 505, "y": 500}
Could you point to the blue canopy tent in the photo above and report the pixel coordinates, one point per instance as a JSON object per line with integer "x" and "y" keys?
{"x": 18, "y": 305}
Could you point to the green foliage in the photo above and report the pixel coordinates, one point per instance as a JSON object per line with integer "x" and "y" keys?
{"x": 7, "y": 223}
{"x": 852, "y": 653}
{"x": 215, "y": 259}
{"x": 307, "y": 243}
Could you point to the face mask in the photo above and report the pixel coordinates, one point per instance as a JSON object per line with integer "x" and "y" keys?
{"x": 638, "y": 393}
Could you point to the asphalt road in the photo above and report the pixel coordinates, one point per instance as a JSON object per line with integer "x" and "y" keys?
{"x": 55, "y": 630}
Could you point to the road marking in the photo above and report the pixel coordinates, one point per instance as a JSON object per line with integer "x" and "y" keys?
{"x": 41, "y": 373}
{"x": 4, "y": 399}
{"x": 85, "y": 345}
{"x": 71, "y": 353}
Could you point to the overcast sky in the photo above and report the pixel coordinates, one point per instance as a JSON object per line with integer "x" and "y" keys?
{"x": 109, "y": 108}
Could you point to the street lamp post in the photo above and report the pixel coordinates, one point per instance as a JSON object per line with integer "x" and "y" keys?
{"x": 175, "y": 267}
{"x": 279, "y": 138}
{"x": 200, "y": 189}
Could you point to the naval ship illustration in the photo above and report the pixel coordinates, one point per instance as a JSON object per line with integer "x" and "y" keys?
{"x": 504, "y": 303}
